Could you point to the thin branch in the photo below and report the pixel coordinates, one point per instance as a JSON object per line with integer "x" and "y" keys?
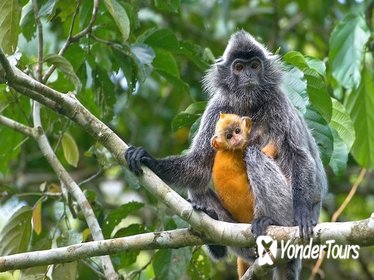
{"x": 73, "y": 188}
{"x": 85, "y": 181}
{"x": 361, "y": 232}
{"x": 76, "y": 37}
{"x": 52, "y": 194}
{"x": 26, "y": 130}
{"x": 39, "y": 26}
{"x": 349, "y": 197}
{"x": 88, "y": 29}
{"x": 335, "y": 217}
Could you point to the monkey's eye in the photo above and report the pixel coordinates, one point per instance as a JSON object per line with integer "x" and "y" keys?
{"x": 228, "y": 136}
{"x": 239, "y": 67}
{"x": 237, "y": 130}
{"x": 255, "y": 64}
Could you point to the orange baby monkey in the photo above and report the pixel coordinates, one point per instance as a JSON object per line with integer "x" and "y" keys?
{"x": 230, "y": 177}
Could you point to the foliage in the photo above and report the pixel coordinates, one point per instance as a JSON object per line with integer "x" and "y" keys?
{"x": 139, "y": 69}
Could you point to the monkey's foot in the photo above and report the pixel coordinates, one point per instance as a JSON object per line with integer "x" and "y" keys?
{"x": 259, "y": 225}
{"x": 217, "y": 251}
{"x": 305, "y": 221}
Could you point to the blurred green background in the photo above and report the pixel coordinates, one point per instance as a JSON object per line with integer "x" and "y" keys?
{"x": 140, "y": 71}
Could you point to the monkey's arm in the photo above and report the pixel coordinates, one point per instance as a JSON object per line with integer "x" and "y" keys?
{"x": 191, "y": 170}
{"x": 304, "y": 186}
{"x": 273, "y": 194}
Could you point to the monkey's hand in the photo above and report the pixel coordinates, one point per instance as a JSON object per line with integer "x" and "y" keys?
{"x": 135, "y": 156}
{"x": 259, "y": 225}
{"x": 305, "y": 220}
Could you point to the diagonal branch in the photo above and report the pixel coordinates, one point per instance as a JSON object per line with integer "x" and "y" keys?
{"x": 73, "y": 188}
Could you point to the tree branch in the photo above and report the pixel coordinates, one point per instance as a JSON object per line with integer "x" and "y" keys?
{"x": 359, "y": 232}
{"x": 26, "y": 130}
{"x": 73, "y": 188}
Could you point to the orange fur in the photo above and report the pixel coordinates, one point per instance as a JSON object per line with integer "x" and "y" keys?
{"x": 231, "y": 184}
{"x": 242, "y": 267}
{"x": 229, "y": 172}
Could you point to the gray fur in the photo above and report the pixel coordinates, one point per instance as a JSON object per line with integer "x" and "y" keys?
{"x": 289, "y": 189}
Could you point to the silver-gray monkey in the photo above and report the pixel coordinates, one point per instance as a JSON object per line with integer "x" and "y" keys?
{"x": 288, "y": 190}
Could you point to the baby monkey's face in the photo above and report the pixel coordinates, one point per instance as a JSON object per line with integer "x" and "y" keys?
{"x": 234, "y": 137}
{"x": 232, "y": 132}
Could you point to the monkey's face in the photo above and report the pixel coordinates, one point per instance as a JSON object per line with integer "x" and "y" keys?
{"x": 246, "y": 73}
{"x": 245, "y": 69}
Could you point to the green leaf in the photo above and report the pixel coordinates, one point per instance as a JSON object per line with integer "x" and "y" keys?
{"x": 321, "y": 133}
{"x": 160, "y": 38}
{"x": 172, "y": 6}
{"x": 339, "y": 157}
{"x": 300, "y": 61}
{"x": 195, "y": 53}
{"x": 65, "y": 271}
{"x": 165, "y": 61}
{"x": 120, "y": 16}
{"x": 189, "y": 116}
{"x": 347, "y": 46}
{"x": 360, "y": 105}
{"x": 316, "y": 64}
{"x": 171, "y": 264}
{"x": 196, "y": 108}
{"x": 297, "y": 59}
{"x": 16, "y": 234}
{"x": 10, "y": 14}
{"x": 117, "y": 215}
{"x": 200, "y": 266}
{"x": 10, "y": 149}
{"x": 28, "y": 26}
{"x": 64, "y": 65}
{"x": 318, "y": 94}
{"x": 294, "y": 86}
{"x": 342, "y": 123}
{"x": 128, "y": 258}
{"x": 48, "y": 9}
{"x": 70, "y": 149}
{"x": 313, "y": 70}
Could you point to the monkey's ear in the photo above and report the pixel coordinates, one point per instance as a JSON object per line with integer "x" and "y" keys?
{"x": 247, "y": 122}
{"x": 216, "y": 143}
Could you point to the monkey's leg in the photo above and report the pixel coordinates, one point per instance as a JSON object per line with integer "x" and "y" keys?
{"x": 288, "y": 271}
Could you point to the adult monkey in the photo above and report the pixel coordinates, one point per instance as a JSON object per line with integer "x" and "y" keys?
{"x": 246, "y": 82}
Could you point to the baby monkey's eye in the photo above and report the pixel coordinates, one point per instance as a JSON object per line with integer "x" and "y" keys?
{"x": 255, "y": 64}
{"x": 228, "y": 136}
{"x": 239, "y": 67}
{"x": 237, "y": 130}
